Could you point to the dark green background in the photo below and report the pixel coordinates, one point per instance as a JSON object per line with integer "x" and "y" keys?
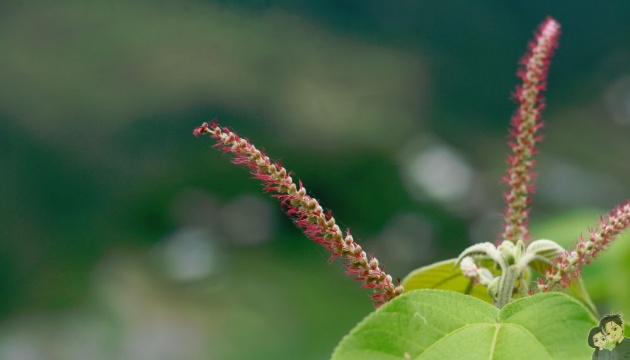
{"x": 98, "y": 100}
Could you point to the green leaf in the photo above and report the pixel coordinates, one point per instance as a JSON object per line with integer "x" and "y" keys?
{"x": 578, "y": 291}
{"x": 444, "y": 275}
{"x": 540, "y": 253}
{"x": 437, "y": 324}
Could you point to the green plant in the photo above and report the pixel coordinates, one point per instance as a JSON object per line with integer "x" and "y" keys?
{"x": 482, "y": 304}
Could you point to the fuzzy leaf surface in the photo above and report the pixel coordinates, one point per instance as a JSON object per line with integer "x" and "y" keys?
{"x": 438, "y": 324}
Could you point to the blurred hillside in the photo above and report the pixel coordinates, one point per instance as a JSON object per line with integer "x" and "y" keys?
{"x": 123, "y": 236}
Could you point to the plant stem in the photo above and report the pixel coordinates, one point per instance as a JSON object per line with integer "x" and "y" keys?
{"x": 506, "y": 285}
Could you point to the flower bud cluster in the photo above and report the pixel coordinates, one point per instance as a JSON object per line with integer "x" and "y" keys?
{"x": 474, "y": 272}
{"x": 568, "y": 265}
{"x": 306, "y": 212}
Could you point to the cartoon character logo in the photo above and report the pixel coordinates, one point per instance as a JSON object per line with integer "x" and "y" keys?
{"x": 597, "y": 340}
{"x": 609, "y": 332}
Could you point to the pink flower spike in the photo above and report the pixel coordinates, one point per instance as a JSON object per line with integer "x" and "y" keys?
{"x": 525, "y": 123}
{"x": 569, "y": 264}
{"x": 306, "y": 212}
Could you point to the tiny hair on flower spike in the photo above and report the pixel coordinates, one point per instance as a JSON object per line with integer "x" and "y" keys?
{"x": 306, "y": 213}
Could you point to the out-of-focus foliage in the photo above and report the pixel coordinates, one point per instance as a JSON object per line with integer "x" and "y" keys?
{"x": 123, "y": 236}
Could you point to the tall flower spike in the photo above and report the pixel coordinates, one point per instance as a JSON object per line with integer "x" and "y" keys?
{"x": 568, "y": 265}
{"x": 525, "y": 123}
{"x": 306, "y": 212}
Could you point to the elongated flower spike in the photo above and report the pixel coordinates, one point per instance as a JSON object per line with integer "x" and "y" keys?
{"x": 306, "y": 212}
{"x": 568, "y": 265}
{"x": 525, "y": 124}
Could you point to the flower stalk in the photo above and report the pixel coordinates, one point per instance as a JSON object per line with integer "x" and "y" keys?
{"x": 306, "y": 212}
{"x": 525, "y": 124}
{"x": 511, "y": 255}
{"x": 568, "y": 265}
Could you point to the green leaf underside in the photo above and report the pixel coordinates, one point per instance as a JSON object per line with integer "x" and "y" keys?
{"x": 578, "y": 291}
{"x": 438, "y": 324}
{"x": 444, "y": 275}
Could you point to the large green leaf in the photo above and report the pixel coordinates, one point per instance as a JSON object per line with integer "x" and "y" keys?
{"x": 444, "y": 275}
{"x": 437, "y": 324}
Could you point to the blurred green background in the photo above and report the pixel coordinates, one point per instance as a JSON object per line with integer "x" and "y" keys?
{"x": 124, "y": 237}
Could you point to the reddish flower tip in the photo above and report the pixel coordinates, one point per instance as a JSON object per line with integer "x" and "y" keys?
{"x": 203, "y": 129}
